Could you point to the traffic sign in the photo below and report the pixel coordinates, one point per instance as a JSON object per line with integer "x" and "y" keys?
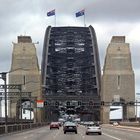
{"x": 40, "y": 103}
{"x": 116, "y": 98}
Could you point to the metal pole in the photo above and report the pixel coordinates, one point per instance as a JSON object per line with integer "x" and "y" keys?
{"x": 0, "y": 107}
{"x": 84, "y": 18}
{"x": 136, "y": 110}
{"x": 55, "y": 19}
{"x": 36, "y": 111}
{"x": 5, "y": 95}
{"x": 20, "y": 105}
{"x": 30, "y": 107}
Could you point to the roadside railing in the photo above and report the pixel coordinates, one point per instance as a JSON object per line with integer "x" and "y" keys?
{"x": 135, "y": 124}
{"x": 19, "y": 127}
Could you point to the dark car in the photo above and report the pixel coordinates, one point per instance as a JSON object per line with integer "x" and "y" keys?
{"x": 70, "y": 127}
{"x": 54, "y": 125}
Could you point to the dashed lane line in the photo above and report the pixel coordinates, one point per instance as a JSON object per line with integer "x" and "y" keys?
{"x": 26, "y": 137}
{"x": 111, "y": 136}
{"x": 55, "y": 136}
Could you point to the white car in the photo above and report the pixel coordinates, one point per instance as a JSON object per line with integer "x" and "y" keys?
{"x": 115, "y": 124}
{"x": 94, "y": 128}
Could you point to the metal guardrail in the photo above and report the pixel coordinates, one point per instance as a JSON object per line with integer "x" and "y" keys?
{"x": 19, "y": 127}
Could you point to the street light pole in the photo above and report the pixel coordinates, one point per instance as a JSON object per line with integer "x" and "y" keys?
{"x": 136, "y": 110}
{"x": 20, "y": 104}
{"x": 30, "y": 108}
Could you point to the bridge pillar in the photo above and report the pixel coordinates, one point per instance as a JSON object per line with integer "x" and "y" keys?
{"x": 118, "y": 75}
{"x": 105, "y": 110}
{"x": 25, "y": 70}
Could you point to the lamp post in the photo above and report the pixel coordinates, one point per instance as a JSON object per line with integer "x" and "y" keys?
{"x": 30, "y": 107}
{"x": 136, "y": 110}
{"x": 20, "y": 89}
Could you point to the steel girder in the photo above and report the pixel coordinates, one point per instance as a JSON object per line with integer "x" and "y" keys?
{"x": 70, "y": 64}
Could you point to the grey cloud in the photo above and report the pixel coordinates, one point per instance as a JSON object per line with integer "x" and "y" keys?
{"x": 114, "y": 10}
{"x": 97, "y": 10}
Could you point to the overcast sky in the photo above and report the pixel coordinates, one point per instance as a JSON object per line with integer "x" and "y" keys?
{"x": 108, "y": 17}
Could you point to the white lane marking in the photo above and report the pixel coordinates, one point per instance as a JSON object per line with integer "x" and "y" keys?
{"x": 54, "y": 137}
{"x": 42, "y": 131}
{"x": 81, "y": 132}
{"x": 82, "y": 135}
{"x": 28, "y": 136}
{"x": 111, "y": 136}
{"x": 115, "y": 131}
{"x": 130, "y": 130}
{"x": 125, "y": 129}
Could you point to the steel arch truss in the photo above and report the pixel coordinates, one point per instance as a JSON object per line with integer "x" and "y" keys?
{"x": 70, "y": 63}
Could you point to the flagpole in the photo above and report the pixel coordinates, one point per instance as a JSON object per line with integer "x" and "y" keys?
{"x": 55, "y": 19}
{"x": 84, "y": 18}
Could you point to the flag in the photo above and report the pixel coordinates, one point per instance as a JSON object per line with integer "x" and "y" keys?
{"x": 51, "y": 13}
{"x": 80, "y": 13}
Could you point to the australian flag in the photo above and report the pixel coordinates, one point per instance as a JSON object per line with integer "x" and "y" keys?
{"x": 80, "y": 13}
{"x": 51, "y": 13}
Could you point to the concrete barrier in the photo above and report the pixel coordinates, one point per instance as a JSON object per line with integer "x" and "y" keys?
{"x": 136, "y": 124}
{"x": 19, "y": 127}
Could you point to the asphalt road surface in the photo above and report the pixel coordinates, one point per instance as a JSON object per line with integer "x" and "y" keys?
{"x": 44, "y": 133}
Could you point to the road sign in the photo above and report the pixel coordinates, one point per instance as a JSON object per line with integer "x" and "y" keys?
{"x": 116, "y": 98}
{"x": 40, "y": 103}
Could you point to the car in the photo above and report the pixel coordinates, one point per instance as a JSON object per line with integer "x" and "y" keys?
{"x": 70, "y": 127}
{"x": 93, "y": 128}
{"x": 60, "y": 124}
{"x": 87, "y": 123}
{"x": 54, "y": 125}
{"x": 115, "y": 123}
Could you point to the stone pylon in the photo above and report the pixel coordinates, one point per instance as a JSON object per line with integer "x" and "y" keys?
{"x": 25, "y": 71}
{"x": 118, "y": 82}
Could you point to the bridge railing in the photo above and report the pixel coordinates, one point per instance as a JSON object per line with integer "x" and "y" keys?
{"x": 135, "y": 124}
{"x": 19, "y": 127}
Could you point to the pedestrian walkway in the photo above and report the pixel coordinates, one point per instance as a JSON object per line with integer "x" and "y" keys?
{"x": 136, "y": 128}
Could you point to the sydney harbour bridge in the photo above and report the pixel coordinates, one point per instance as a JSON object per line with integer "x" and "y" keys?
{"x": 70, "y": 73}
{"x": 70, "y": 80}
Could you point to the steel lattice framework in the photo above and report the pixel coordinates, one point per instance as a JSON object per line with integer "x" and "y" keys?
{"x": 70, "y": 64}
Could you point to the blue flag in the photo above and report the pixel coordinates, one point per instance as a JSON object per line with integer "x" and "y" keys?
{"x": 51, "y": 13}
{"x": 80, "y": 13}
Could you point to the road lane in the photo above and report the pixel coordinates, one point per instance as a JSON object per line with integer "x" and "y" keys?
{"x": 104, "y": 136}
{"x": 44, "y": 133}
{"x": 35, "y": 134}
{"x": 122, "y": 134}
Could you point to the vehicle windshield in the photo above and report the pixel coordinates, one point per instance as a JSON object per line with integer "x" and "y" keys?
{"x": 69, "y": 123}
{"x": 93, "y": 125}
